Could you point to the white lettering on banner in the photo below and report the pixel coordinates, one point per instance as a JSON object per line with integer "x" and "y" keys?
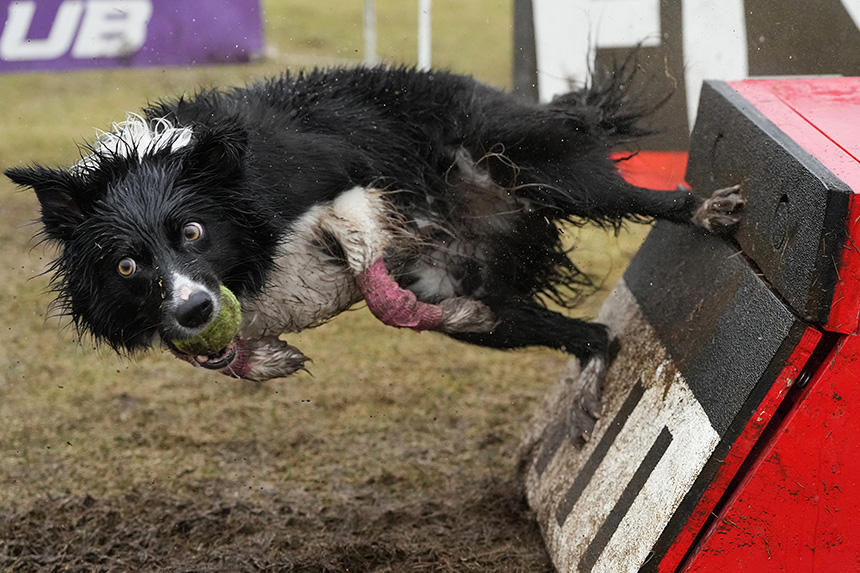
{"x": 112, "y": 28}
{"x": 14, "y": 45}
{"x": 108, "y": 28}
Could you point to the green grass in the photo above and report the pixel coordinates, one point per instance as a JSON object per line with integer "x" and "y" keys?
{"x": 419, "y": 407}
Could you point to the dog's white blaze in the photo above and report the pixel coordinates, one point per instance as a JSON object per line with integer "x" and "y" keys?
{"x": 182, "y": 287}
{"x": 138, "y": 137}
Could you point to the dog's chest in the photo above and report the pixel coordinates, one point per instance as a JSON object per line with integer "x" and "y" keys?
{"x": 308, "y": 286}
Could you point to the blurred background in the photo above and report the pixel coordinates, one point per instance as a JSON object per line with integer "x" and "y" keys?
{"x": 400, "y": 451}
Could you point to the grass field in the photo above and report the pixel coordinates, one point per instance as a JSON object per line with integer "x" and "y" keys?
{"x": 399, "y": 453}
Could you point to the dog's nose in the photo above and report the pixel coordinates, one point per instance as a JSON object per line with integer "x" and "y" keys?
{"x": 195, "y": 311}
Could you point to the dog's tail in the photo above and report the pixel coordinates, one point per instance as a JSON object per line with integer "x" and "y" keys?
{"x": 558, "y": 158}
{"x": 615, "y": 100}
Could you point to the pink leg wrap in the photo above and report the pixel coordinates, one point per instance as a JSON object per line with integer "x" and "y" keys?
{"x": 393, "y": 305}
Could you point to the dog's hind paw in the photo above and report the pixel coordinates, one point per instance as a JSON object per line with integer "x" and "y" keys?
{"x": 586, "y": 403}
{"x": 721, "y": 212}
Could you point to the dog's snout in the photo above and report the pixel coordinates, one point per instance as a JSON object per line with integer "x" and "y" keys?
{"x": 196, "y": 310}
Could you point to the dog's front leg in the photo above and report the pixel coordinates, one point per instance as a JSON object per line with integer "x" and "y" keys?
{"x": 396, "y": 306}
{"x": 361, "y": 222}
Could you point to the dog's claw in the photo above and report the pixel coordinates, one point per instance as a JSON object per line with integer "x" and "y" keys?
{"x": 586, "y": 401}
{"x": 721, "y": 212}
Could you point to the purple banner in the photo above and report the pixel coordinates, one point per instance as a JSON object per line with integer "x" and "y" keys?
{"x": 71, "y": 34}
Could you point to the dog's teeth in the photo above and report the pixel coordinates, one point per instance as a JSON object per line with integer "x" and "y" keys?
{"x": 202, "y": 358}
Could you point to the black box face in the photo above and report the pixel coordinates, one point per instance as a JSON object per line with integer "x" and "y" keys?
{"x": 720, "y": 323}
{"x": 703, "y": 339}
{"x": 794, "y": 222}
{"x": 714, "y": 332}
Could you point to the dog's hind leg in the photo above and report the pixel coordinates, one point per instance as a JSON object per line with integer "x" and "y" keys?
{"x": 558, "y": 157}
{"x": 596, "y": 191}
{"x": 719, "y": 213}
{"x": 525, "y": 323}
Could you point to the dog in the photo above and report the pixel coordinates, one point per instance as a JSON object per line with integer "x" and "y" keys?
{"x": 433, "y": 197}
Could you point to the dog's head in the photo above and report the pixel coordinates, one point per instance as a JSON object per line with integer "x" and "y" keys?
{"x": 149, "y": 223}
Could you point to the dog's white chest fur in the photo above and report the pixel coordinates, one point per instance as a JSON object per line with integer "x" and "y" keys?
{"x": 310, "y": 286}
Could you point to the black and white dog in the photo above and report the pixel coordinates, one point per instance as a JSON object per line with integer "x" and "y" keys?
{"x": 433, "y": 197}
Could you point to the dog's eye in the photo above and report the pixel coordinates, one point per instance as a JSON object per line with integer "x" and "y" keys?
{"x": 192, "y": 231}
{"x": 126, "y": 267}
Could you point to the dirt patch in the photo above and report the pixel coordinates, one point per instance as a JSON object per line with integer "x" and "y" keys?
{"x": 483, "y": 528}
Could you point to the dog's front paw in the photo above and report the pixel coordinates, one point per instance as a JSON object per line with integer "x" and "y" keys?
{"x": 264, "y": 358}
{"x": 461, "y": 314}
{"x": 721, "y": 212}
{"x": 586, "y": 402}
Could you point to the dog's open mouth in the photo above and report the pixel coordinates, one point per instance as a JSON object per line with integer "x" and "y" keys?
{"x": 216, "y": 361}
{"x": 253, "y": 359}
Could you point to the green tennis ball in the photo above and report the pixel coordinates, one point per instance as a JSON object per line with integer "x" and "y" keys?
{"x": 220, "y": 331}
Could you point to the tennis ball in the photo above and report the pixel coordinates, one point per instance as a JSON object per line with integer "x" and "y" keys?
{"x": 220, "y": 331}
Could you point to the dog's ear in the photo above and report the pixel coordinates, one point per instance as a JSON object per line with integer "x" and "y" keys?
{"x": 59, "y": 193}
{"x": 218, "y": 152}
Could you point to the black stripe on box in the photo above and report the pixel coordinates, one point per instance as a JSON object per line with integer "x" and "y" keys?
{"x": 628, "y": 496}
{"x": 596, "y": 458}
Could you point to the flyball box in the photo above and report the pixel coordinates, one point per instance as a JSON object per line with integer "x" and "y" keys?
{"x": 727, "y": 441}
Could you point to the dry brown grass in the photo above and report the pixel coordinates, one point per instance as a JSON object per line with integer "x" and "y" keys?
{"x": 396, "y": 450}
